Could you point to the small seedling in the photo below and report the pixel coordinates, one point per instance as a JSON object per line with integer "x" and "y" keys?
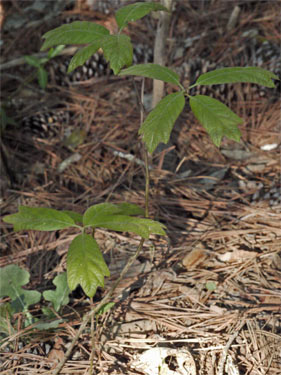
{"x": 39, "y": 62}
{"x": 13, "y": 278}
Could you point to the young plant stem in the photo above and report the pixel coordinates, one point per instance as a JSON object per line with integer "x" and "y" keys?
{"x": 147, "y": 181}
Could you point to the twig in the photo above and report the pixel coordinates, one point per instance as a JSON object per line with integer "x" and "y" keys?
{"x": 159, "y": 49}
{"x": 233, "y": 18}
{"x": 226, "y": 348}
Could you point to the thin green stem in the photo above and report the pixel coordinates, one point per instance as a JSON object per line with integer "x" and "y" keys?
{"x": 147, "y": 179}
{"x": 190, "y": 87}
{"x": 181, "y": 86}
{"x": 147, "y": 183}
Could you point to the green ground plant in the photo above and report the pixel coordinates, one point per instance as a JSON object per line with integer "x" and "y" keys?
{"x": 39, "y": 62}
{"x": 85, "y": 262}
{"x": 13, "y": 279}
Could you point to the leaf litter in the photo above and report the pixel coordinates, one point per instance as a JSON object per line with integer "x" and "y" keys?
{"x": 217, "y": 235}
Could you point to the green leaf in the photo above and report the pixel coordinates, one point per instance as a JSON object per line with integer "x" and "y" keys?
{"x": 42, "y": 76}
{"x": 58, "y": 297}
{"x": 82, "y": 56}
{"x": 159, "y": 123}
{"x": 102, "y": 210}
{"x": 118, "y": 51}
{"x": 75, "y": 139}
{"x": 43, "y": 325}
{"x": 129, "y": 209}
{"x": 135, "y": 11}
{"x": 216, "y": 118}
{"x": 211, "y": 286}
{"x": 139, "y": 226}
{"x": 53, "y": 52}
{"x": 5, "y": 309}
{"x": 124, "y": 223}
{"x": 78, "y": 32}
{"x": 12, "y": 279}
{"x": 85, "y": 265}
{"x": 78, "y": 218}
{"x": 39, "y": 218}
{"x": 237, "y": 74}
{"x": 43, "y": 60}
{"x": 154, "y": 71}
{"x": 116, "y": 217}
{"x": 33, "y": 61}
{"x": 104, "y": 308}
{"x": 6, "y": 328}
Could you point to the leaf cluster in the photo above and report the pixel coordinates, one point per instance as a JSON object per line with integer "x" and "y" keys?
{"x": 85, "y": 263}
{"x": 13, "y": 280}
{"x": 39, "y": 62}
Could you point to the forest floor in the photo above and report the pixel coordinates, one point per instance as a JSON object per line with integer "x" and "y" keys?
{"x": 210, "y": 290}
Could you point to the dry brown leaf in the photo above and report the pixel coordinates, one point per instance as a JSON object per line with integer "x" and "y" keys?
{"x": 57, "y": 354}
{"x": 195, "y": 257}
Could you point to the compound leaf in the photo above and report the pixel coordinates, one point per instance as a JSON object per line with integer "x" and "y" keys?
{"x": 78, "y": 32}
{"x": 83, "y": 55}
{"x": 12, "y": 279}
{"x": 154, "y": 71}
{"x": 118, "y": 51}
{"x": 85, "y": 264}
{"x": 216, "y": 118}
{"x": 159, "y": 123}
{"x": 58, "y": 297}
{"x": 135, "y": 11}
{"x": 237, "y": 74}
{"x": 39, "y": 218}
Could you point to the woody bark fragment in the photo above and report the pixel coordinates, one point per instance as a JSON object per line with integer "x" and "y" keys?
{"x": 159, "y": 49}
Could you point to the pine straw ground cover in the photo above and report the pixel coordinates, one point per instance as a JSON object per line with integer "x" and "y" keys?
{"x": 213, "y": 284}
